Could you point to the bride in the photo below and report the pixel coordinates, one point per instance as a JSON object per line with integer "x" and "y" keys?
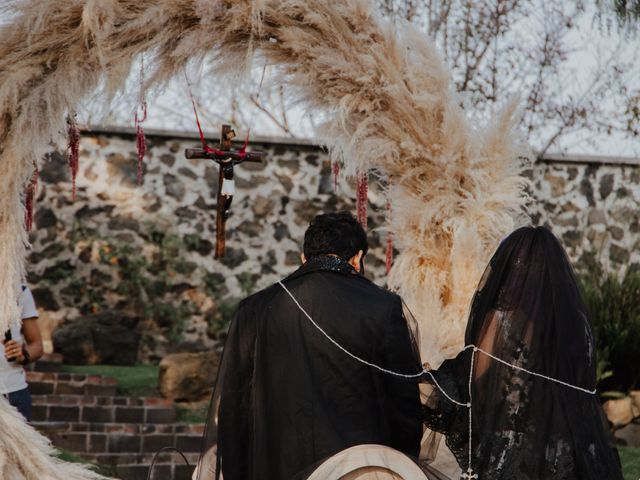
{"x": 528, "y": 312}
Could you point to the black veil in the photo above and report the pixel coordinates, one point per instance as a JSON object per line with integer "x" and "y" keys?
{"x": 528, "y": 311}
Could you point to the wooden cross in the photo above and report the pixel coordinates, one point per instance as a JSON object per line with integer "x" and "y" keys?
{"x": 469, "y": 475}
{"x": 227, "y": 159}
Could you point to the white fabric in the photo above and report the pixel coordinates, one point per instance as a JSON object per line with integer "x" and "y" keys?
{"x": 368, "y": 462}
{"x": 12, "y": 376}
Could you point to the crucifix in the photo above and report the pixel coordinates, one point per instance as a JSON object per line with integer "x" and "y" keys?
{"x": 469, "y": 475}
{"x": 227, "y": 159}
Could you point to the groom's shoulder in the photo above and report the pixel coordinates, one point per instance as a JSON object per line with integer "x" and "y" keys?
{"x": 371, "y": 289}
{"x": 259, "y": 297}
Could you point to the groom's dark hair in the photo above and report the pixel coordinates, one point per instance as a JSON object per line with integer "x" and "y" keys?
{"x": 335, "y": 233}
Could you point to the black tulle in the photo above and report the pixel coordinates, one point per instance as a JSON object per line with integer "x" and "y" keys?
{"x": 529, "y": 312}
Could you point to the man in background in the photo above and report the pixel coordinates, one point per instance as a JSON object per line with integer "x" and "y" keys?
{"x": 20, "y": 346}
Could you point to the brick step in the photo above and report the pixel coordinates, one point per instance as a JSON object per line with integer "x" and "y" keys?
{"x": 49, "y": 362}
{"x": 131, "y": 428}
{"x": 45, "y": 383}
{"x": 174, "y": 471}
{"x": 164, "y": 458}
{"x": 95, "y": 400}
{"x": 119, "y": 442}
{"x": 103, "y": 413}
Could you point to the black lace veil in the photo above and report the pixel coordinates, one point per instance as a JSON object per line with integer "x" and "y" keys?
{"x": 527, "y": 311}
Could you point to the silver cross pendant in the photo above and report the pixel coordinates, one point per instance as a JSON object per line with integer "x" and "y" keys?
{"x": 469, "y": 475}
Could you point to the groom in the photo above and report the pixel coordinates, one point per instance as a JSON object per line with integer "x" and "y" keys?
{"x": 288, "y": 397}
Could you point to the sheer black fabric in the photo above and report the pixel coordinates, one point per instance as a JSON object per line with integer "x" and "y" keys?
{"x": 286, "y": 398}
{"x": 527, "y": 311}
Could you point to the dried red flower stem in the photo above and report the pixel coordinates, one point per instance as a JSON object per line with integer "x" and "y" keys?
{"x": 362, "y": 188}
{"x": 73, "y": 149}
{"x": 389, "y": 252}
{"x": 29, "y": 200}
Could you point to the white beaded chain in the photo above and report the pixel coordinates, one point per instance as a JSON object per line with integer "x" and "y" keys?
{"x": 469, "y": 475}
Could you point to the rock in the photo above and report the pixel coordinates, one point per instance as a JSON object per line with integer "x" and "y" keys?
{"x": 167, "y": 159}
{"x": 187, "y": 173}
{"x": 292, "y": 258}
{"x": 188, "y": 376}
{"x": 597, "y": 217}
{"x": 173, "y": 186}
{"x": 108, "y": 337}
{"x": 44, "y": 218}
{"x": 281, "y": 230}
{"x": 45, "y": 299}
{"x": 616, "y": 232}
{"x": 629, "y": 435}
{"x": 586, "y": 189}
{"x": 123, "y": 223}
{"x": 619, "y": 412}
{"x": 234, "y": 257}
{"x": 262, "y": 206}
{"x": 55, "y": 169}
{"x": 50, "y": 251}
{"x": 293, "y": 165}
{"x": 635, "y": 403}
{"x": 572, "y": 238}
{"x": 186, "y": 212}
{"x": 618, "y": 255}
{"x": 124, "y": 167}
{"x": 312, "y": 159}
{"x": 606, "y": 185}
{"x": 325, "y": 186}
{"x": 286, "y": 182}
{"x": 252, "y": 229}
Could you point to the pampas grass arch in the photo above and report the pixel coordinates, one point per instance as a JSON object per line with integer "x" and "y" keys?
{"x": 455, "y": 189}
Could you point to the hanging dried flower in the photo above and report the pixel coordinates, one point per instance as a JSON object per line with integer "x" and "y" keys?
{"x": 29, "y": 198}
{"x": 141, "y": 141}
{"x": 362, "y": 188}
{"x": 389, "y": 252}
{"x": 335, "y": 169}
{"x": 73, "y": 149}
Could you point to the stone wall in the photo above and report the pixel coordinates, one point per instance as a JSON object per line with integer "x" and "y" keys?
{"x": 147, "y": 251}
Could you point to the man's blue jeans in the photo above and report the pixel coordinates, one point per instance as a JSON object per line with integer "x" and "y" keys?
{"x": 22, "y": 401}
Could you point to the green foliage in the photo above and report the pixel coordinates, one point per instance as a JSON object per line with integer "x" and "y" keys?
{"x": 614, "y": 306}
{"x": 630, "y": 458}
{"x": 192, "y": 413}
{"x": 220, "y": 319}
{"x": 146, "y": 282}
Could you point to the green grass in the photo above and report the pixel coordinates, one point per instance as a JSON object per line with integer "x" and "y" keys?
{"x": 136, "y": 381}
{"x": 105, "y": 470}
{"x": 630, "y": 462}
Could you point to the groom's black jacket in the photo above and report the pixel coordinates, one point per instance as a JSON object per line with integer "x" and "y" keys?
{"x": 290, "y": 398}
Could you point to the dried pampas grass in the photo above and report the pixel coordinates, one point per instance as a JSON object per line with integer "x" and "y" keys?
{"x": 455, "y": 189}
{"x": 26, "y": 455}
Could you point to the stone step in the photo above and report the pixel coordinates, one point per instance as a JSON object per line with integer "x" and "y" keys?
{"x": 103, "y": 413}
{"x": 46, "y": 383}
{"x": 118, "y": 442}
